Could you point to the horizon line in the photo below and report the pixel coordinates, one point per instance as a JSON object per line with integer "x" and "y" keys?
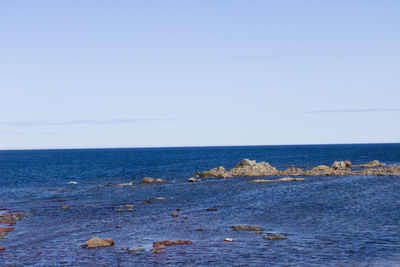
{"x": 194, "y": 146}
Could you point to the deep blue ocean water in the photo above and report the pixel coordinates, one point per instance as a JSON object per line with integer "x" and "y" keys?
{"x": 330, "y": 221}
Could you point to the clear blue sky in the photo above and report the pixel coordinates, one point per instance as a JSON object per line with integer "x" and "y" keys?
{"x": 187, "y": 73}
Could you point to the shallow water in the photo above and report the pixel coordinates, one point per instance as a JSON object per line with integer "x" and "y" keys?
{"x": 330, "y": 221}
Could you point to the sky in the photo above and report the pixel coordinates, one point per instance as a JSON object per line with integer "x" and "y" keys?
{"x": 93, "y": 74}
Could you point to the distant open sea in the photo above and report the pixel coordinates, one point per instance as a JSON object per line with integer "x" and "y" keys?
{"x": 329, "y": 221}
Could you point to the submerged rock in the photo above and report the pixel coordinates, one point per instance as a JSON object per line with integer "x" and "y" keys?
{"x": 219, "y": 172}
{"x": 284, "y": 179}
{"x": 251, "y": 168}
{"x": 159, "y": 245}
{"x": 271, "y": 236}
{"x": 130, "y": 251}
{"x": 246, "y": 228}
{"x": 98, "y": 243}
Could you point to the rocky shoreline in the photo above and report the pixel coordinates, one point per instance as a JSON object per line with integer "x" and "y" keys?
{"x": 251, "y": 168}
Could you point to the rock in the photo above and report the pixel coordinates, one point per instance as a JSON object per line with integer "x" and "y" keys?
{"x": 129, "y": 210}
{"x": 211, "y": 209}
{"x": 263, "y": 181}
{"x": 374, "y": 163}
{"x": 271, "y": 236}
{"x": 255, "y": 233}
{"x": 149, "y": 180}
{"x": 119, "y": 210}
{"x": 228, "y": 239}
{"x": 135, "y": 250}
{"x": 5, "y": 230}
{"x": 246, "y": 228}
{"x": 320, "y": 170}
{"x": 392, "y": 170}
{"x": 339, "y": 165}
{"x": 65, "y": 207}
{"x": 129, "y": 206}
{"x": 292, "y": 172}
{"x": 290, "y": 179}
{"x": 348, "y": 163}
{"x": 284, "y": 179}
{"x": 251, "y": 168}
{"x": 175, "y": 214}
{"x": 192, "y": 179}
{"x": 98, "y": 243}
{"x": 159, "y": 245}
{"x": 1, "y": 248}
{"x": 11, "y": 218}
{"x": 219, "y": 172}
{"x": 199, "y": 229}
{"x": 159, "y": 198}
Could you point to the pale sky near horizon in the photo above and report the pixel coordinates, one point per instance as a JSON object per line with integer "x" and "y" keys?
{"x": 192, "y": 73}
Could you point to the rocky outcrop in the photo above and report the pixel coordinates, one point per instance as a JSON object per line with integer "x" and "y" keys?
{"x": 246, "y": 228}
{"x": 219, "y": 172}
{"x": 159, "y": 245}
{"x": 98, "y": 243}
{"x": 149, "y": 180}
{"x": 374, "y": 163}
{"x": 251, "y": 168}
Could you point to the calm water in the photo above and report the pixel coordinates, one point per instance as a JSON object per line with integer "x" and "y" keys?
{"x": 331, "y": 221}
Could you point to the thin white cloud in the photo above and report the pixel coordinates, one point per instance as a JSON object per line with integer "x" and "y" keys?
{"x": 352, "y": 110}
{"x": 77, "y": 122}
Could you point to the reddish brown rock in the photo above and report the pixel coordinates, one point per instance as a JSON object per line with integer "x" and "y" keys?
{"x": 5, "y": 230}
{"x": 159, "y": 245}
{"x": 1, "y": 248}
{"x": 175, "y": 214}
{"x": 98, "y": 243}
{"x": 10, "y": 219}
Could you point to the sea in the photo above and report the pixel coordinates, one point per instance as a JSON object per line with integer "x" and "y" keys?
{"x": 327, "y": 220}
